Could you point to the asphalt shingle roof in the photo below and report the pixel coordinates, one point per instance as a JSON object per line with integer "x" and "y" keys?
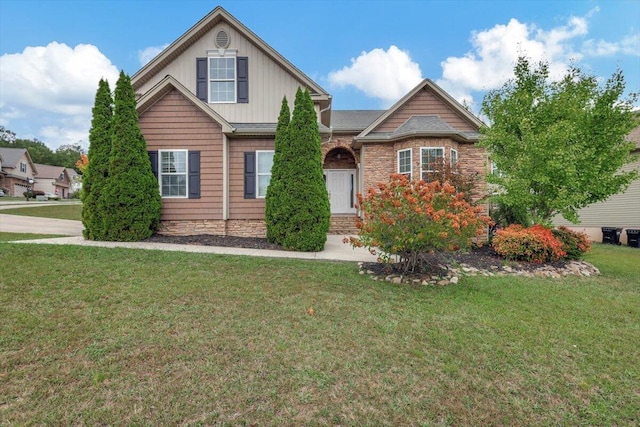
{"x": 356, "y": 120}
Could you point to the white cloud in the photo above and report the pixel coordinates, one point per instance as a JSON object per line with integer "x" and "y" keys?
{"x": 496, "y": 50}
{"x": 387, "y": 75}
{"x": 147, "y": 54}
{"x": 45, "y": 85}
{"x": 630, "y": 45}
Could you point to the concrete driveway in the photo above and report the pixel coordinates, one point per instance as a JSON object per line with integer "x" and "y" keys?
{"x": 32, "y": 224}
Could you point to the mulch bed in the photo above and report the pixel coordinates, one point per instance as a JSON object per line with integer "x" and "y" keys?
{"x": 483, "y": 258}
{"x": 214, "y": 240}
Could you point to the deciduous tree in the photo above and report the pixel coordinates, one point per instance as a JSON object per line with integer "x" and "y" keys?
{"x": 559, "y": 145}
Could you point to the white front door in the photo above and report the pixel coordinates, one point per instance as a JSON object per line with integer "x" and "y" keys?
{"x": 341, "y": 186}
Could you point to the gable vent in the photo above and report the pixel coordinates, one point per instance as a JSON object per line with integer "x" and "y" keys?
{"x": 222, "y": 39}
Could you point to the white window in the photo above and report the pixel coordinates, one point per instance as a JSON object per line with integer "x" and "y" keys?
{"x": 173, "y": 173}
{"x": 495, "y": 170}
{"x": 264, "y": 162}
{"x": 23, "y": 167}
{"x": 222, "y": 78}
{"x": 404, "y": 162}
{"x": 431, "y": 158}
{"x": 453, "y": 159}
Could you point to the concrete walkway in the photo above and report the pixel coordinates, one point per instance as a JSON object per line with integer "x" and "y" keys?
{"x": 334, "y": 249}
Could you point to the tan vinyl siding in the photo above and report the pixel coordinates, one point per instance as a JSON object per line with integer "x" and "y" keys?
{"x": 425, "y": 102}
{"x": 174, "y": 123}
{"x": 620, "y": 210}
{"x": 239, "y": 207}
{"x": 268, "y": 81}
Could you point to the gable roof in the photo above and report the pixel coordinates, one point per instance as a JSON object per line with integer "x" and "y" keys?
{"x": 428, "y": 125}
{"x": 217, "y": 15}
{"x": 11, "y": 157}
{"x": 48, "y": 171}
{"x": 169, "y": 83}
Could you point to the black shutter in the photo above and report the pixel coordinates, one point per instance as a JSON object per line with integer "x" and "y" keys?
{"x": 250, "y": 175}
{"x": 201, "y": 79}
{"x": 243, "y": 79}
{"x": 194, "y": 174}
{"x": 153, "y": 158}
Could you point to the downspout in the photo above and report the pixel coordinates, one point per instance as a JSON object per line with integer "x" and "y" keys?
{"x": 225, "y": 178}
{"x": 330, "y": 128}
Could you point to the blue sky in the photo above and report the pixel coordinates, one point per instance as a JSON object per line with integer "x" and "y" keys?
{"x": 367, "y": 54}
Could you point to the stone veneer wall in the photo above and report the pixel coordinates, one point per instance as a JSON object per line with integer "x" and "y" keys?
{"x": 340, "y": 224}
{"x": 381, "y": 159}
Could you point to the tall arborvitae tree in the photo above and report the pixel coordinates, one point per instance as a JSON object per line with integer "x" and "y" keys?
{"x": 131, "y": 201}
{"x": 275, "y": 200}
{"x": 96, "y": 174}
{"x": 307, "y": 216}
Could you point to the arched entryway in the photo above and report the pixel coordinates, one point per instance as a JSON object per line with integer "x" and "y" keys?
{"x": 340, "y": 177}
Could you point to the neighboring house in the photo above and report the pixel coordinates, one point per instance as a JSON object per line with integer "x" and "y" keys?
{"x": 620, "y": 210}
{"x": 53, "y": 179}
{"x": 208, "y": 107}
{"x": 76, "y": 180}
{"x": 18, "y": 171}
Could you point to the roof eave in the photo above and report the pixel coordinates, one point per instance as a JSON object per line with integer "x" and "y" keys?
{"x": 456, "y": 136}
{"x": 164, "y": 86}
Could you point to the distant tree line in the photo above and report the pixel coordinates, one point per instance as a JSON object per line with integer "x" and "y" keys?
{"x": 66, "y": 155}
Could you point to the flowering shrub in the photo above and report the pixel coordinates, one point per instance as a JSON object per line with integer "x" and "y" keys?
{"x": 408, "y": 218}
{"x": 534, "y": 244}
{"x": 574, "y": 243}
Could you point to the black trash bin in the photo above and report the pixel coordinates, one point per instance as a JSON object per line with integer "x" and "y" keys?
{"x": 633, "y": 237}
{"x": 611, "y": 235}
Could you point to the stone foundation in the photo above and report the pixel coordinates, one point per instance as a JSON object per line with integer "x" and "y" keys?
{"x": 340, "y": 224}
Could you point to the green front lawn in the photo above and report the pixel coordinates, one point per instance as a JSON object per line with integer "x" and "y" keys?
{"x": 94, "y": 336}
{"x": 8, "y": 237}
{"x": 62, "y": 211}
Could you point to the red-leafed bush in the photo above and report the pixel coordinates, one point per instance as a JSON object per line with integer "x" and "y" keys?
{"x": 409, "y": 218}
{"x": 533, "y": 244}
{"x": 574, "y": 243}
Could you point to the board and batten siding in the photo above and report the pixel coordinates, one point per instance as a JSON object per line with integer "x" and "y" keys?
{"x": 425, "y": 102}
{"x": 268, "y": 81}
{"x": 174, "y": 123}
{"x": 239, "y": 207}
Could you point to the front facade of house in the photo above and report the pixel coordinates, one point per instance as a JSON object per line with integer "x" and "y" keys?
{"x": 18, "y": 171}
{"x": 208, "y": 107}
{"x": 53, "y": 179}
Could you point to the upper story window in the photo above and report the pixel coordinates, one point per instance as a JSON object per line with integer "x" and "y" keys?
{"x": 404, "y": 162}
{"x": 222, "y": 79}
{"x": 23, "y": 167}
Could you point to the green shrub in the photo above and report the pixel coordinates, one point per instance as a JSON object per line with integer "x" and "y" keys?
{"x": 130, "y": 201}
{"x": 533, "y": 244}
{"x": 409, "y": 218}
{"x": 574, "y": 243}
{"x": 303, "y": 215}
{"x": 276, "y": 201}
{"x": 94, "y": 178}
